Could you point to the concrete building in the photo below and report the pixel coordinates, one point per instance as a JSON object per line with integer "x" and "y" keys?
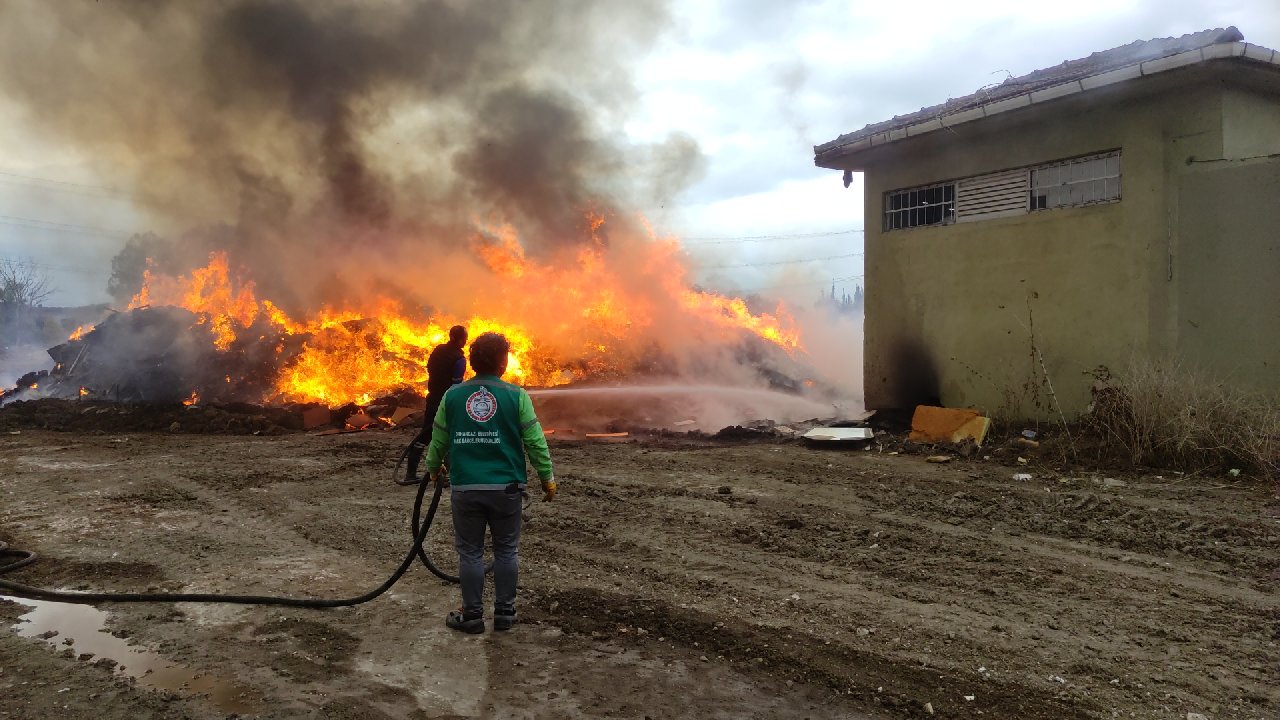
{"x": 1120, "y": 207}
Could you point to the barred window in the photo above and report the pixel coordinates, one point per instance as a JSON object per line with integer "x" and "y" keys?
{"x": 1079, "y": 181}
{"x": 925, "y": 205}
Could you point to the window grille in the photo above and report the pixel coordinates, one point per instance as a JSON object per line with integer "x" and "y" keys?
{"x": 1079, "y": 181}
{"x": 925, "y": 205}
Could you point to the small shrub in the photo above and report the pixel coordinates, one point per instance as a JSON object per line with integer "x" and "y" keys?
{"x": 1161, "y": 414}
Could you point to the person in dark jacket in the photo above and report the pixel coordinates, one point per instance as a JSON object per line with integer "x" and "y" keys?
{"x": 445, "y": 367}
{"x": 487, "y": 427}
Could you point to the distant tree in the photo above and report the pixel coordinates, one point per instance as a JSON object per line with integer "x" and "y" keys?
{"x": 23, "y": 284}
{"x": 843, "y": 302}
{"x": 128, "y": 265}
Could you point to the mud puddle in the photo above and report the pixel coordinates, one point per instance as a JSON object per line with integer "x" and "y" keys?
{"x": 82, "y": 629}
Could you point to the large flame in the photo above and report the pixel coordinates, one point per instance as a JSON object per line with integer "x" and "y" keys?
{"x": 355, "y": 354}
{"x": 209, "y": 293}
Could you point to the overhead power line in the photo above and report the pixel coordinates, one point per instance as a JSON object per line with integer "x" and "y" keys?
{"x": 31, "y": 264}
{"x": 34, "y": 181}
{"x": 50, "y": 225}
{"x": 727, "y": 240}
{"x": 781, "y": 262}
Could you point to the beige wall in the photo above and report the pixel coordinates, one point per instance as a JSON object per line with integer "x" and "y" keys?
{"x": 1250, "y": 123}
{"x": 960, "y": 304}
{"x": 1227, "y": 272}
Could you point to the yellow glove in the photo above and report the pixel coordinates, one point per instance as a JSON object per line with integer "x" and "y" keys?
{"x": 549, "y": 489}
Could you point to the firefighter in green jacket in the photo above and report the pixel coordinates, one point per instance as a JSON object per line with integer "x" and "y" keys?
{"x": 486, "y": 426}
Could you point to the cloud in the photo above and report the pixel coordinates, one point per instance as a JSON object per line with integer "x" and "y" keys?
{"x": 757, "y": 84}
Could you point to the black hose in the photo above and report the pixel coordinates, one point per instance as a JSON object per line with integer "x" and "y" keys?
{"x": 413, "y": 527}
{"x": 419, "y": 534}
{"x": 395, "y": 474}
{"x": 25, "y": 557}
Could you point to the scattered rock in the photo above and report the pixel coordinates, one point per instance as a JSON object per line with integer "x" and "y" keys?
{"x": 724, "y": 490}
{"x": 938, "y": 459}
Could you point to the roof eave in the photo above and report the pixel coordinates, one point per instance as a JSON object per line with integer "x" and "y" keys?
{"x": 837, "y": 154}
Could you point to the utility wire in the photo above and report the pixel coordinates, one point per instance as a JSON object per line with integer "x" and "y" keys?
{"x": 764, "y": 238}
{"x": 780, "y": 262}
{"x": 99, "y": 189}
{"x": 36, "y": 224}
{"x": 832, "y": 281}
{"x": 31, "y": 264}
{"x": 97, "y": 194}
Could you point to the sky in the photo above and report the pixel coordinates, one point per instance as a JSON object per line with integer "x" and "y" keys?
{"x": 756, "y": 83}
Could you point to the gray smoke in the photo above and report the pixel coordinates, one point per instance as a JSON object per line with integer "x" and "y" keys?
{"x": 324, "y": 137}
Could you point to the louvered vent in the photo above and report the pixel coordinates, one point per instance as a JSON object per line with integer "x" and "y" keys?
{"x": 994, "y": 195}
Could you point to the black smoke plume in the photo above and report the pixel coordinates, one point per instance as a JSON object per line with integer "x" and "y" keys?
{"x": 320, "y": 139}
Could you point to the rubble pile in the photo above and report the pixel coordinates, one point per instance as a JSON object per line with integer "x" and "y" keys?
{"x": 158, "y": 369}
{"x": 159, "y": 355}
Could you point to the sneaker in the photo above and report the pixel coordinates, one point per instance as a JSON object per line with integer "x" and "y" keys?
{"x": 503, "y": 619}
{"x": 470, "y": 624}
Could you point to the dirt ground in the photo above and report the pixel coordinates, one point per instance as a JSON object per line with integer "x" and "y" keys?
{"x": 671, "y": 579}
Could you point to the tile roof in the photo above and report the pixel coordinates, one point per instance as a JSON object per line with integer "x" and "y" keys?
{"x": 1134, "y": 53}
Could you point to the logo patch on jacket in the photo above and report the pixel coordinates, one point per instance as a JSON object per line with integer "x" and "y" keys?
{"x": 482, "y": 405}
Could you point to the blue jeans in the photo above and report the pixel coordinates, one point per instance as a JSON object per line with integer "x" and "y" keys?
{"x": 500, "y": 512}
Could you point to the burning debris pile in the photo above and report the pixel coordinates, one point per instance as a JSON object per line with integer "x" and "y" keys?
{"x": 212, "y": 341}
{"x": 206, "y": 334}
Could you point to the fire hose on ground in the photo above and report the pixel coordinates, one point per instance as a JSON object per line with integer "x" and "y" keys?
{"x": 26, "y": 557}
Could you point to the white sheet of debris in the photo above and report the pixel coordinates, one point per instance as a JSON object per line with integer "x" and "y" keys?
{"x": 839, "y": 434}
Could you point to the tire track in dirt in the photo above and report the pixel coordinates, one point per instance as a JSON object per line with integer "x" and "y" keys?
{"x": 1048, "y": 586}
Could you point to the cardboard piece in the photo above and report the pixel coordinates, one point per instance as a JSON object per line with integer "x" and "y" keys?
{"x": 400, "y": 414}
{"x": 947, "y": 425}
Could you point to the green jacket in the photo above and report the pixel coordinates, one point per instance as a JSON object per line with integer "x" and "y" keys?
{"x": 485, "y": 426}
